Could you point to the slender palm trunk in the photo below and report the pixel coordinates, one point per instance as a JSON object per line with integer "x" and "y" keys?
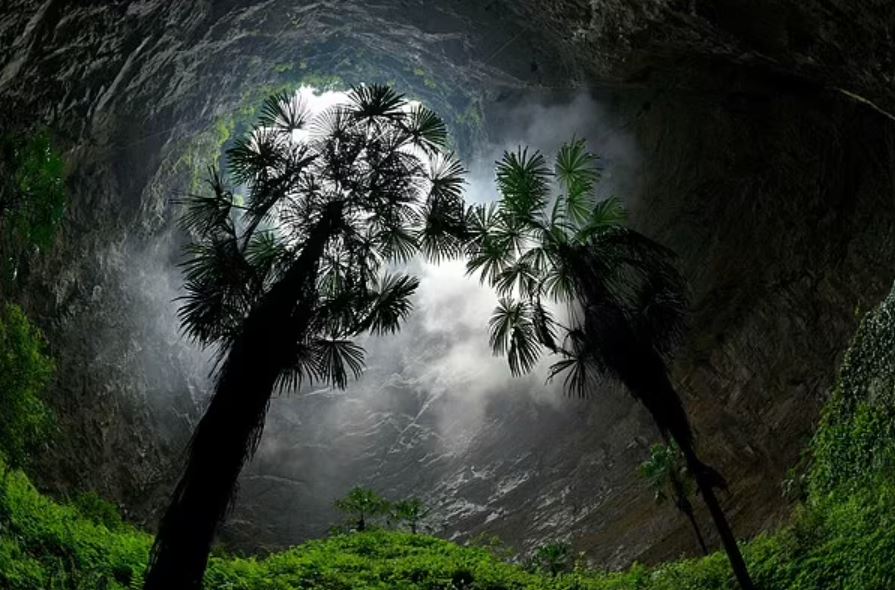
{"x": 228, "y": 433}
{"x": 683, "y": 504}
{"x": 634, "y": 360}
{"x": 705, "y": 483}
{"x": 696, "y": 530}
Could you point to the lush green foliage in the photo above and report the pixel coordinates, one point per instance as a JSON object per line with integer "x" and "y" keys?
{"x": 47, "y": 545}
{"x": 844, "y": 545}
{"x": 843, "y": 537}
{"x": 32, "y": 198}
{"x": 25, "y": 371}
{"x": 855, "y": 441}
{"x": 552, "y": 558}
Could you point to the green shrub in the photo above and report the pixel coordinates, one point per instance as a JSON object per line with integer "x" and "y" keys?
{"x": 32, "y": 198}
{"x": 93, "y": 507}
{"x": 25, "y": 372}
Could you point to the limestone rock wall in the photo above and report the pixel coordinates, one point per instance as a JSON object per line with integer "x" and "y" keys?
{"x": 767, "y": 141}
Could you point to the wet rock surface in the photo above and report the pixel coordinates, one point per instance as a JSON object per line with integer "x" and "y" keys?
{"x": 768, "y": 151}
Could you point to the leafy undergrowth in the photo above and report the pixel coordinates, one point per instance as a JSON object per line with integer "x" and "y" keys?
{"x": 842, "y": 537}
{"x": 847, "y": 544}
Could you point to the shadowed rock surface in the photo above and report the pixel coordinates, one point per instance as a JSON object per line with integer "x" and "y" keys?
{"x": 767, "y": 153}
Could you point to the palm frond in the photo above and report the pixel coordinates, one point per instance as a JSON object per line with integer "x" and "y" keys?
{"x": 426, "y": 129}
{"x": 512, "y": 334}
{"x": 285, "y": 112}
{"x": 336, "y": 359}
{"x": 207, "y": 215}
{"x": 576, "y": 170}
{"x": 445, "y": 176}
{"x": 605, "y": 215}
{"x": 333, "y": 123}
{"x": 489, "y": 261}
{"x": 265, "y": 253}
{"x": 559, "y": 283}
{"x": 442, "y": 221}
{"x": 376, "y": 101}
{"x": 398, "y": 244}
{"x": 391, "y": 303}
{"x": 523, "y": 181}
{"x": 302, "y": 369}
{"x": 544, "y": 325}
{"x": 517, "y": 277}
{"x": 579, "y": 377}
{"x": 254, "y": 155}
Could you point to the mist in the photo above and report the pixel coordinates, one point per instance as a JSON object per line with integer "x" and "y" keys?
{"x": 433, "y": 398}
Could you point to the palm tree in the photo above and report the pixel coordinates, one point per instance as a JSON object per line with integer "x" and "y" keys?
{"x": 668, "y": 479}
{"x": 361, "y": 504}
{"x": 411, "y": 512}
{"x": 624, "y": 304}
{"x": 282, "y": 279}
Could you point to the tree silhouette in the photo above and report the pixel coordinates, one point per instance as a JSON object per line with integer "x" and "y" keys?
{"x": 360, "y": 504}
{"x": 282, "y": 279}
{"x": 669, "y": 479}
{"x": 624, "y": 299}
{"x": 410, "y": 512}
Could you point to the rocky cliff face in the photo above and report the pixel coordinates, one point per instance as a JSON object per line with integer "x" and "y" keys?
{"x": 767, "y": 148}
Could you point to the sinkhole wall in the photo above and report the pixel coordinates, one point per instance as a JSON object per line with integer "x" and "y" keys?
{"x": 764, "y": 142}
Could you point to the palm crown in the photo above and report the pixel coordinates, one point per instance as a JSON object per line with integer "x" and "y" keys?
{"x": 376, "y": 166}
{"x": 550, "y": 239}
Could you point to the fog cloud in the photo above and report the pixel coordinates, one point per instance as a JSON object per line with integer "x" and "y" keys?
{"x": 428, "y": 390}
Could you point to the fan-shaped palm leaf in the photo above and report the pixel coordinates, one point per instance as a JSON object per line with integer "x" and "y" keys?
{"x": 582, "y": 370}
{"x": 255, "y": 155}
{"x": 523, "y": 180}
{"x": 285, "y": 112}
{"x": 576, "y": 170}
{"x": 444, "y": 217}
{"x": 390, "y": 303}
{"x": 604, "y": 215}
{"x": 376, "y": 101}
{"x": 512, "y": 333}
{"x": 518, "y": 277}
{"x": 335, "y": 359}
{"x": 426, "y": 129}
{"x": 208, "y": 215}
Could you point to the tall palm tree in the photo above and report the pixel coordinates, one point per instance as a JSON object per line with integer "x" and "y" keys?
{"x": 622, "y": 300}
{"x": 282, "y": 279}
{"x": 410, "y": 512}
{"x": 668, "y": 479}
{"x": 361, "y": 504}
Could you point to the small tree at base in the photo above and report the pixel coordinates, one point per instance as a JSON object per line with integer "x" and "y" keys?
{"x": 668, "y": 479}
{"x": 410, "y": 512}
{"x": 361, "y": 505}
